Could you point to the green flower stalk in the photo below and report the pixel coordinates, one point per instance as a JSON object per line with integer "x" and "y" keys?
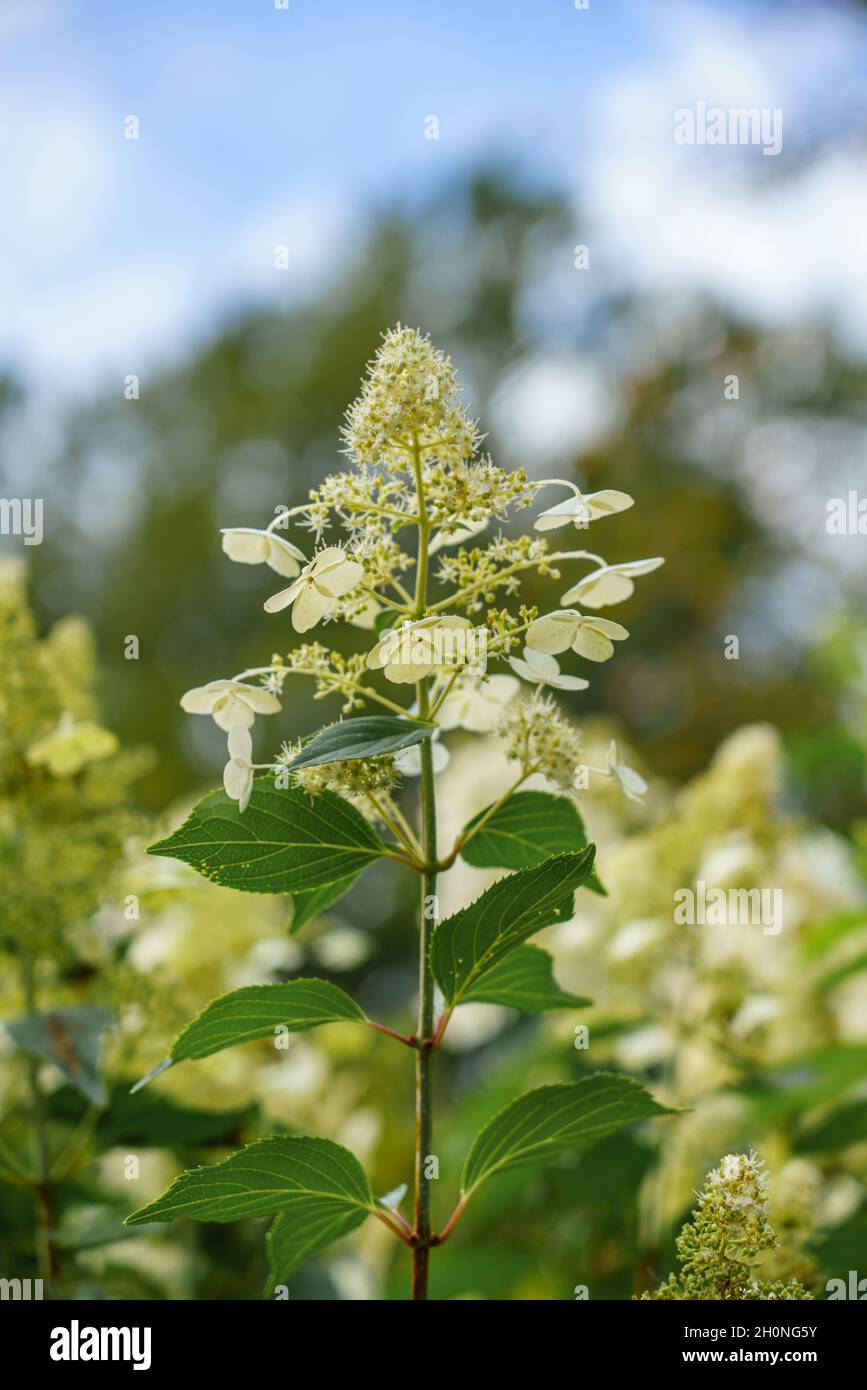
{"x": 720, "y": 1246}
{"x": 326, "y": 808}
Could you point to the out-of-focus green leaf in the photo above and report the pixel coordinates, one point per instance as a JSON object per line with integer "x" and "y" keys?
{"x": 809, "y": 1079}
{"x": 824, "y": 935}
{"x": 845, "y": 1126}
{"x": 152, "y": 1120}
{"x": 844, "y": 971}
{"x": 71, "y": 1039}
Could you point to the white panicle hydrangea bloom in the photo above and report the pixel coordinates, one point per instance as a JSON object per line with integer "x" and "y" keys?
{"x": 424, "y": 564}
{"x": 230, "y": 702}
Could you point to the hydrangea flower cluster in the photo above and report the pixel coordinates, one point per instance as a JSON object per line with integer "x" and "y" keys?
{"x": 415, "y": 466}
{"x": 718, "y": 1248}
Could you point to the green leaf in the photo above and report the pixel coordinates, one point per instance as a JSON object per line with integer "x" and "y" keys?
{"x": 254, "y": 1012}
{"x": 844, "y": 1127}
{"x": 469, "y": 943}
{"x": 319, "y": 1189}
{"x": 154, "y": 1121}
{"x": 386, "y": 617}
{"x": 306, "y": 906}
{"x": 524, "y": 979}
{"x": 284, "y": 842}
{"x": 72, "y": 1040}
{"x": 368, "y": 737}
{"x": 548, "y": 1122}
{"x": 811, "y": 1078}
{"x": 528, "y": 828}
{"x": 844, "y": 971}
{"x": 826, "y": 934}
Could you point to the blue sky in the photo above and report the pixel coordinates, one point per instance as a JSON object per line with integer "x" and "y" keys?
{"x": 260, "y": 127}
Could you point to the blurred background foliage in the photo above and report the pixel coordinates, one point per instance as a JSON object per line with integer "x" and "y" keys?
{"x": 733, "y": 493}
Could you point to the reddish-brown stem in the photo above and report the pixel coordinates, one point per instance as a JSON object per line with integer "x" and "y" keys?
{"x": 395, "y": 1230}
{"x": 411, "y": 1041}
{"x": 442, "y": 1024}
{"x": 452, "y": 1221}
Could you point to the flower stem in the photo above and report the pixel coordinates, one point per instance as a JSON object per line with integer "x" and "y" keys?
{"x": 427, "y": 901}
{"x": 425, "y": 1053}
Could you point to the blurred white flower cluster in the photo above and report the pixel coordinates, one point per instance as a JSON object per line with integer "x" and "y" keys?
{"x": 697, "y": 1010}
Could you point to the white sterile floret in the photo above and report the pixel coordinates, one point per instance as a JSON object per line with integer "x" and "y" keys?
{"x": 545, "y": 670}
{"x": 590, "y": 637}
{"x": 610, "y": 583}
{"x": 415, "y": 650}
{"x": 249, "y": 546}
{"x": 230, "y": 702}
{"x": 328, "y": 576}
{"x": 583, "y": 508}
{"x": 476, "y": 703}
{"x": 630, "y": 783}
{"x": 238, "y": 772}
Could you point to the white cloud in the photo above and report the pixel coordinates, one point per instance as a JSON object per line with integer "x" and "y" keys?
{"x": 550, "y": 409}
{"x": 775, "y": 243}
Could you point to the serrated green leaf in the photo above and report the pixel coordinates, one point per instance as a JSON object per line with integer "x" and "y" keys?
{"x": 528, "y": 828}
{"x": 318, "y": 1189}
{"x": 72, "y": 1040}
{"x": 306, "y": 906}
{"x": 552, "y": 1120}
{"x": 473, "y": 940}
{"x": 524, "y": 979}
{"x": 255, "y": 1011}
{"x": 284, "y": 842}
{"x": 368, "y": 737}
